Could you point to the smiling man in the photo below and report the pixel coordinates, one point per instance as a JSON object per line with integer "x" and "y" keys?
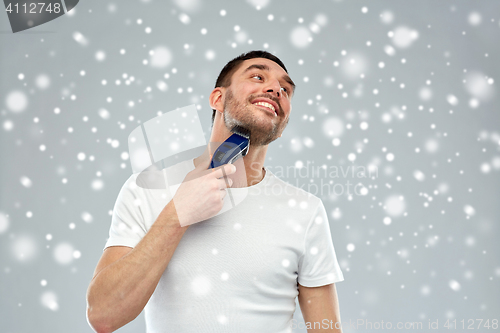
{"x": 239, "y": 271}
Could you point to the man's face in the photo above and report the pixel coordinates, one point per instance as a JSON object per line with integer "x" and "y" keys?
{"x": 257, "y": 83}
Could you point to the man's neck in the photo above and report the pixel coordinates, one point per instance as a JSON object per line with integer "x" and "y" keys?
{"x": 249, "y": 169}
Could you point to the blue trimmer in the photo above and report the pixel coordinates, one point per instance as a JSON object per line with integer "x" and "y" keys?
{"x": 235, "y": 147}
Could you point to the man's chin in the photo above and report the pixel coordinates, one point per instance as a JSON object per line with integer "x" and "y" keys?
{"x": 259, "y": 143}
{"x": 252, "y": 126}
{"x": 262, "y": 137}
{"x": 259, "y": 130}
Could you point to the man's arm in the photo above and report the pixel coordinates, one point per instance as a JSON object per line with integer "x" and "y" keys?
{"x": 125, "y": 278}
{"x": 320, "y": 305}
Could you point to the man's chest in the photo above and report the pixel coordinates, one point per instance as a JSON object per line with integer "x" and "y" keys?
{"x": 237, "y": 254}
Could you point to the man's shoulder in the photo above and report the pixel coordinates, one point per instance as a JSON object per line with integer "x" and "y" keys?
{"x": 156, "y": 178}
{"x": 130, "y": 190}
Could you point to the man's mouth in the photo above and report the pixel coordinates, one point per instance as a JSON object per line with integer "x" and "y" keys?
{"x": 267, "y": 106}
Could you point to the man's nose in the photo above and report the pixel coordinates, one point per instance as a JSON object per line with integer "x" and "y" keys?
{"x": 274, "y": 87}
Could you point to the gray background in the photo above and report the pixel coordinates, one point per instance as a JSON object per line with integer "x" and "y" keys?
{"x": 438, "y": 258}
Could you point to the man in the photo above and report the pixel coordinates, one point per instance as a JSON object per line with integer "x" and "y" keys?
{"x": 239, "y": 271}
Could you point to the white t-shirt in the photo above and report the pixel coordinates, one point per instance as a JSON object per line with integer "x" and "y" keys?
{"x": 237, "y": 271}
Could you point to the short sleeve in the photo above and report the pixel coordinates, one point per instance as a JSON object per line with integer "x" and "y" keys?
{"x": 127, "y": 221}
{"x": 318, "y": 264}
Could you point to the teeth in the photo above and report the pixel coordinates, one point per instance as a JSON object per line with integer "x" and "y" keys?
{"x": 267, "y": 105}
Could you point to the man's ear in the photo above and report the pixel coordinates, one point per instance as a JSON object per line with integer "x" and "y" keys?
{"x": 216, "y": 99}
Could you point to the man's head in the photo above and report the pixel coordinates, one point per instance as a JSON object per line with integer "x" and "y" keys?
{"x": 243, "y": 89}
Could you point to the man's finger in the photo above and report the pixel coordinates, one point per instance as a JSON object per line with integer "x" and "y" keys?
{"x": 205, "y": 163}
{"x": 223, "y": 170}
{"x": 225, "y": 183}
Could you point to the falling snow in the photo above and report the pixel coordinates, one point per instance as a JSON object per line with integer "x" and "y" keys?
{"x": 400, "y": 114}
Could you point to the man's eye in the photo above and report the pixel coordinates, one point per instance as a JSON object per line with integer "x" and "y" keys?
{"x": 257, "y": 76}
{"x": 286, "y": 90}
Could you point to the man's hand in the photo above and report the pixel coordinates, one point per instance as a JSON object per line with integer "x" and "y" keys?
{"x": 201, "y": 194}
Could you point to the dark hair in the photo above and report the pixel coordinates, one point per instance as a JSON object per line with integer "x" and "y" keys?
{"x": 224, "y": 79}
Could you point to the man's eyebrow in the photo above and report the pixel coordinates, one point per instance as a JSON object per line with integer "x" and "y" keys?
{"x": 258, "y": 66}
{"x": 266, "y": 68}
